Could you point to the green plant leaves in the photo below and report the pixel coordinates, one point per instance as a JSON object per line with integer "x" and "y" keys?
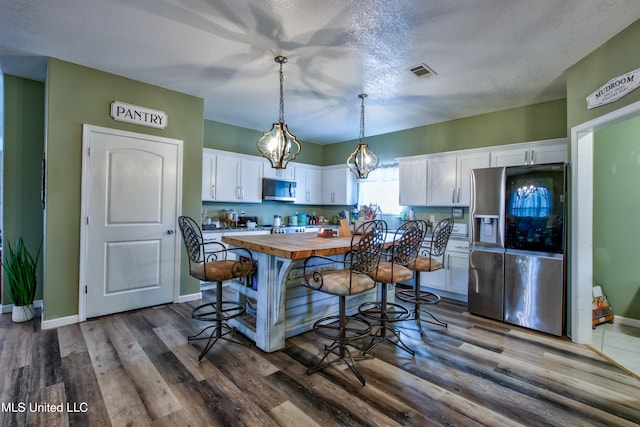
{"x": 21, "y": 269}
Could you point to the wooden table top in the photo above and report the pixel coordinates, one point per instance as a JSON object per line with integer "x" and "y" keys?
{"x": 293, "y": 245}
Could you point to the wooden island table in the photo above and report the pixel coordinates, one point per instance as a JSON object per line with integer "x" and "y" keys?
{"x": 284, "y": 306}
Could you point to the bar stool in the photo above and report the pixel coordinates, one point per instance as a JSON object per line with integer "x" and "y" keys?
{"x": 320, "y": 273}
{"x": 428, "y": 263}
{"x": 208, "y": 263}
{"x": 393, "y": 268}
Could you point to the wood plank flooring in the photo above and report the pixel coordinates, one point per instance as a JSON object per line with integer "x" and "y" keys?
{"x": 137, "y": 369}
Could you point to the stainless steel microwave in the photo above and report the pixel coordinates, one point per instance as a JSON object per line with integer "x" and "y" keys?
{"x": 278, "y": 189}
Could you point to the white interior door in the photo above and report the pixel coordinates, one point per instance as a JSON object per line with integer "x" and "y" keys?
{"x": 131, "y": 201}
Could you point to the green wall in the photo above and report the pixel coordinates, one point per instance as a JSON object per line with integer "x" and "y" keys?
{"x": 616, "y": 175}
{"x": 614, "y": 58}
{"x": 23, "y": 149}
{"x": 242, "y": 140}
{"x": 76, "y": 95}
{"x": 546, "y": 120}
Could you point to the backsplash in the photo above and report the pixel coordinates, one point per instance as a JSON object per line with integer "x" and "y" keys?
{"x": 266, "y": 210}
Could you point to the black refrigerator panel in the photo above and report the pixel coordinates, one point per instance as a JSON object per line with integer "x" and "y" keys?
{"x": 534, "y": 208}
{"x": 486, "y": 283}
{"x": 534, "y": 291}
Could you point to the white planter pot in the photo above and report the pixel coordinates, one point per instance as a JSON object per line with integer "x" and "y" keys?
{"x": 22, "y": 313}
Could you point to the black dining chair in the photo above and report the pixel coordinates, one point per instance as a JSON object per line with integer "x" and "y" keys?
{"x": 394, "y": 268}
{"x": 431, "y": 261}
{"x": 210, "y": 262}
{"x": 349, "y": 276}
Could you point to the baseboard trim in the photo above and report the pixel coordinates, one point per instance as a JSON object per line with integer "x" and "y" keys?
{"x": 627, "y": 321}
{"x": 60, "y": 321}
{"x": 190, "y": 297}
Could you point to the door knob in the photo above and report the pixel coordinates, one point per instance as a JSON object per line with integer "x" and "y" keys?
{"x": 169, "y": 231}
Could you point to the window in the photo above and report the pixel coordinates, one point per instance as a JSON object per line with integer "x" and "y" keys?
{"x": 382, "y": 187}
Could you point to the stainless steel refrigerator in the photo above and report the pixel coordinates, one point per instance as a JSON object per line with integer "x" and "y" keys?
{"x": 516, "y": 259}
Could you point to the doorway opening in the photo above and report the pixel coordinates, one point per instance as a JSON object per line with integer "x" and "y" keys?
{"x": 582, "y": 219}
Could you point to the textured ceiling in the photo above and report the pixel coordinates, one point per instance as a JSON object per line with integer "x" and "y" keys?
{"x": 488, "y": 54}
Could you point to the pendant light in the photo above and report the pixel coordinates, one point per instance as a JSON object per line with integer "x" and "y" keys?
{"x": 363, "y": 160}
{"x": 278, "y": 145}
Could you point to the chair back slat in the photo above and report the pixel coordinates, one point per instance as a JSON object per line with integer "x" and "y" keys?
{"x": 192, "y": 237}
{"x": 408, "y": 240}
{"x": 440, "y": 238}
{"x": 366, "y": 246}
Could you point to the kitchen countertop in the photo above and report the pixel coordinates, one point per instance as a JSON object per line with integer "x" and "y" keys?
{"x": 292, "y": 246}
{"x": 266, "y": 228}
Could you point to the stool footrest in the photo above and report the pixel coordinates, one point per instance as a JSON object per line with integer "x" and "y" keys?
{"x": 391, "y": 313}
{"x": 421, "y": 297}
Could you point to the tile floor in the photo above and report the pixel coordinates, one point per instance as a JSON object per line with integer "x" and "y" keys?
{"x": 620, "y": 343}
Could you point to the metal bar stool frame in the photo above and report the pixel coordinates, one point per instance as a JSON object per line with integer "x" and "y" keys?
{"x": 428, "y": 263}
{"x": 353, "y": 278}
{"x": 209, "y": 262}
{"x": 393, "y": 268}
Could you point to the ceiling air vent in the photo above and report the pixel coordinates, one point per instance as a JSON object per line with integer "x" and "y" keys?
{"x": 422, "y": 71}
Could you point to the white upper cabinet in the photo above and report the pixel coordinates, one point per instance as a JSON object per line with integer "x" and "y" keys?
{"x": 308, "y": 184}
{"x": 338, "y": 186}
{"x": 286, "y": 174}
{"x": 531, "y": 153}
{"x": 251, "y": 180}
{"x": 208, "y": 175}
{"x": 413, "y": 181}
{"x": 236, "y": 178}
{"x": 448, "y": 176}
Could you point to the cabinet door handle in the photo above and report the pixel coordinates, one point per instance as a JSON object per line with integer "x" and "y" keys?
{"x": 453, "y": 195}
{"x": 526, "y": 157}
{"x": 458, "y": 195}
{"x": 213, "y": 192}
{"x": 533, "y": 160}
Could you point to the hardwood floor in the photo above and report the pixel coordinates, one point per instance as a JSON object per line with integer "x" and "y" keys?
{"x": 136, "y": 368}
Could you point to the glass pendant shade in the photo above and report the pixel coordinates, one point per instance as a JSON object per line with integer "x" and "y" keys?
{"x": 278, "y": 145}
{"x": 363, "y": 160}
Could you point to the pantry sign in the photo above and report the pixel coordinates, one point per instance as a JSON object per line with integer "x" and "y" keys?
{"x": 138, "y": 115}
{"x": 614, "y": 89}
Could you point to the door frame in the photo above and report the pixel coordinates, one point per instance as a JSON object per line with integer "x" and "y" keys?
{"x": 582, "y": 218}
{"x": 87, "y": 130}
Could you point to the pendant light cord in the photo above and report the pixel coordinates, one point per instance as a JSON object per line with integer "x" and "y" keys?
{"x": 362, "y": 97}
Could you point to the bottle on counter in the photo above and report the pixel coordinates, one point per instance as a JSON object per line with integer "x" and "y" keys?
{"x": 412, "y": 215}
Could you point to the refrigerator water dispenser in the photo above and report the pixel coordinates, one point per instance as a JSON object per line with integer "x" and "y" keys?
{"x": 487, "y": 229}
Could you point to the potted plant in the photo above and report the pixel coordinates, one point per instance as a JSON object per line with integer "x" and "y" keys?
{"x": 21, "y": 268}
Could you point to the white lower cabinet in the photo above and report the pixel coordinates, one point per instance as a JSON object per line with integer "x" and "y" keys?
{"x": 453, "y": 278}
